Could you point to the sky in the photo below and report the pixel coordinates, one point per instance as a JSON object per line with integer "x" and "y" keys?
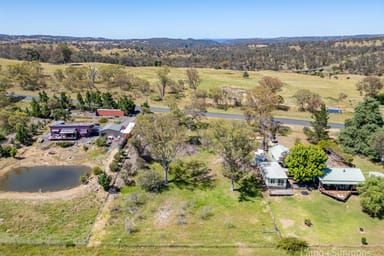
{"x": 129, "y": 19}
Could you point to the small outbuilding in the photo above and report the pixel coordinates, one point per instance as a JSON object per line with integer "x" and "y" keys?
{"x": 109, "y": 112}
{"x": 111, "y": 130}
{"x": 276, "y": 152}
{"x": 340, "y": 183}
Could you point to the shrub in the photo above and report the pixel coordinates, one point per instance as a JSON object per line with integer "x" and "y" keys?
{"x": 104, "y": 180}
{"x": 5, "y": 150}
{"x": 13, "y": 152}
{"x": 114, "y": 166}
{"x": 292, "y": 245}
{"x": 151, "y": 180}
{"x": 85, "y": 148}
{"x": 65, "y": 144}
{"x": 364, "y": 240}
{"x": 245, "y": 74}
{"x": 101, "y": 141}
{"x": 308, "y": 222}
{"x": 205, "y": 212}
{"x": 103, "y": 120}
{"x": 97, "y": 170}
{"x": 83, "y": 179}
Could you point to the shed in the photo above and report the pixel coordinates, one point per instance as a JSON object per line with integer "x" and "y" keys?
{"x": 274, "y": 175}
{"x": 111, "y": 130}
{"x": 127, "y": 132}
{"x": 276, "y": 152}
{"x": 109, "y": 112}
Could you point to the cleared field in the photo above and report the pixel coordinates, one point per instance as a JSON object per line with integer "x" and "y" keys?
{"x": 47, "y": 221}
{"x": 327, "y": 88}
{"x": 334, "y": 223}
{"x": 200, "y": 217}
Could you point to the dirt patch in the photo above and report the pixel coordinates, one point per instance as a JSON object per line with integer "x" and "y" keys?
{"x": 162, "y": 216}
{"x": 286, "y": 223}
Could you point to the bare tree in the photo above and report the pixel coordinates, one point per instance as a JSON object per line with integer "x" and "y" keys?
{"x": 193, "y": 77}
{"x": 273, "y": 83}
{"x": 163, "y": 79}
{"x": 92, "y": 73}
{"x": 369, "y": 86}
{"x": 261, "y": 101}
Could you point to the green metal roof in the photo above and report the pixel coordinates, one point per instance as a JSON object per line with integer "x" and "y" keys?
{"x": 277, "y": 151}
{"x": 342, "y": 176}
{"x": 272, "y": 170}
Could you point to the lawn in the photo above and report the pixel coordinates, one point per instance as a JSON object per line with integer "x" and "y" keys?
{"x": 41, "y": 250}
{"x": 334, "y": 222}
{"x": 47, "y": 221}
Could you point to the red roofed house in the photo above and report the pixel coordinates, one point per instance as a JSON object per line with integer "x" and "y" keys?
{"x": 109, "y": 112}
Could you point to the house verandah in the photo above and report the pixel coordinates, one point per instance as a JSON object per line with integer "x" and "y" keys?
{"x": 340, "y": 183}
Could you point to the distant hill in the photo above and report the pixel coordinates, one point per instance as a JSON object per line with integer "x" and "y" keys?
{"x": 170, "y": 43}
{"x": 294, "y": 39}
{"x": 159, "y": 43}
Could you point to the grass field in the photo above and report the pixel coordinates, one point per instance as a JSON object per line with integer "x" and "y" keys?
{"x": 181, "y": 216}
{"x": 334, "y": 222}
{"x": 327, "y": 88}
{"x": 42, "y": 250}
{"x": 47, "y": 221}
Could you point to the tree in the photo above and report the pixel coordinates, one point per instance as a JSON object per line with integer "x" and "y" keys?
{"x": 320, "y": 126}
{"x": 376, "y": 144}
{"x": 234, "y": 143}
{"x": 22, "y": 134}
{"x": 258, "y": 111}
{"x": 302, "y": 96}
{"x": 104, "y": 180}
{"x": 193, "y": 77}
{"x": 372, "y": 196}
{"x": 314, "y": 102}
{"x": 162, "y": 74}
{"x": 307, "y": 100}
{"x": 127, "y": 105}
{"x": 164, "y": 137}
{"x": 196, "y": 108}
{"x": 369, "y": 86}
{"x": 306, "y": 162}
{"x": 80, "y": 101}
{"x": 273, "y": 83}
{"x": 358, "y": 130}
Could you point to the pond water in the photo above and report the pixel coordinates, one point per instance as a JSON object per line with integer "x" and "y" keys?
{"x": 42, "y": 178}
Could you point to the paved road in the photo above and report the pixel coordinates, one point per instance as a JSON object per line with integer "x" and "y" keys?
{"x": 288, "y": 121}
{"x": 241, "y": 117}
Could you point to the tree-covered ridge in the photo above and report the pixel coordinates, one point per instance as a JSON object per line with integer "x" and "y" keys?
{"x": 351, "y": 55}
